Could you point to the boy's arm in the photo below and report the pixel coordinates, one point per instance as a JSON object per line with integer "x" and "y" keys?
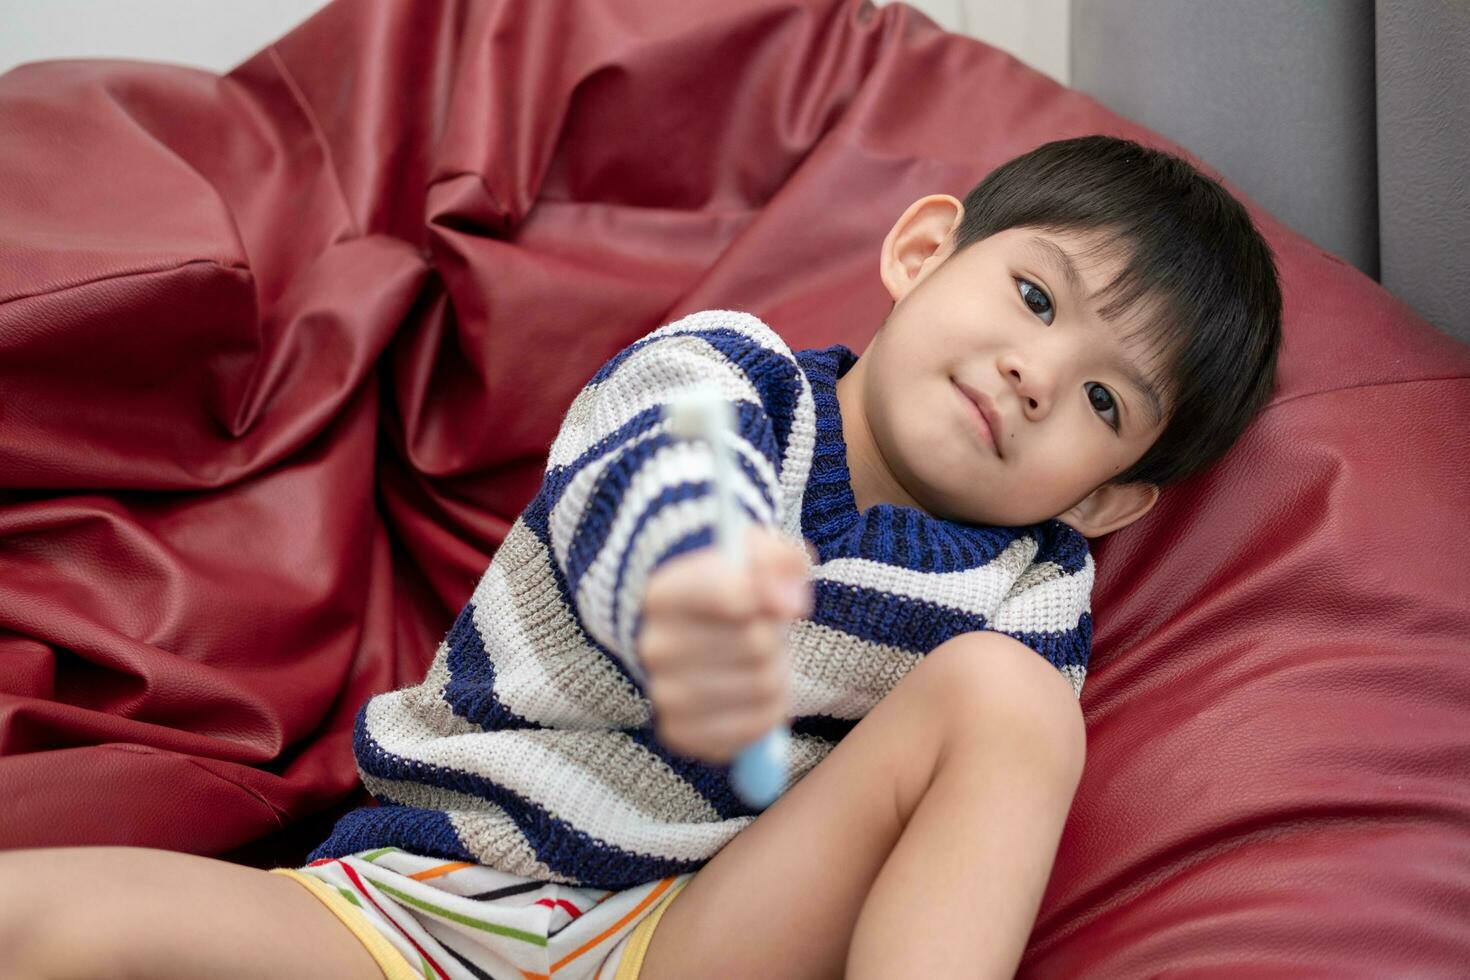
{"x": 625, "y": 496}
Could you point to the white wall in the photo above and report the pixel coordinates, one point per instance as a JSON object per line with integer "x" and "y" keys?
{"x": 213, "y": 34}
{"x": 1035, "y": 31}
{"x": 218, "y": 34}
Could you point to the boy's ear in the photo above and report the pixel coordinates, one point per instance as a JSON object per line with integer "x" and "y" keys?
{"x": 1110, "y": 507}
{"x": 918, "y": 243}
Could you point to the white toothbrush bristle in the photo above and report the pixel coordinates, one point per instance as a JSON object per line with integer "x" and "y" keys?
{"x": 695, "y": 414}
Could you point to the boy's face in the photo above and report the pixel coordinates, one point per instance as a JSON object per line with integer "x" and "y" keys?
{"x": 1004, "y": 323}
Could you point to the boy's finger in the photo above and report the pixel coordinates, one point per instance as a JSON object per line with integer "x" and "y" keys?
{"x": 780, "y": 567}
{"x": 707, "y": 586}
{"x": 785, "y": 593}
{"x": 713, "y": 692}
{"x": 695, "y": 644}
{"x": 776, "y": 554}
{"x": 739, "y": 728}
{"x": 786, "y": 598}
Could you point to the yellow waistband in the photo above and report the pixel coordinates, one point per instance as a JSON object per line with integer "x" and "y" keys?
{"x": 389, "y": 960}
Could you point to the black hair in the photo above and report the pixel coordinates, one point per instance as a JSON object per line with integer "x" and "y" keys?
{"x": 1197, "y": 269}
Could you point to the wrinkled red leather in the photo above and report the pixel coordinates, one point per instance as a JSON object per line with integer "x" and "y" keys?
{"x": 282, "y": 352}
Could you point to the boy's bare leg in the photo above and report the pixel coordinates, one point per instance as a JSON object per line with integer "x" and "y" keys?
{"x": 105, "y": 912}
{"x": 919, "y": 847}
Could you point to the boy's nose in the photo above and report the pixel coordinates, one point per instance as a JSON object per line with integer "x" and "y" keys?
{"x": 1030, "y": 382}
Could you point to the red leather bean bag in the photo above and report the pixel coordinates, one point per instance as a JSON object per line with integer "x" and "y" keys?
{"x": 282, "y": 352}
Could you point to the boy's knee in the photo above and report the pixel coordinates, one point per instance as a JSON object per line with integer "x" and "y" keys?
{"x": 988, "y": 686}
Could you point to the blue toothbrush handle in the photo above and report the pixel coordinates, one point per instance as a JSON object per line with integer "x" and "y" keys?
{"x": 759, "y": 773}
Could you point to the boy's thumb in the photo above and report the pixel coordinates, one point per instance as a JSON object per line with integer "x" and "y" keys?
{"x": 781, "y": 570}
{"x": 777, "y": 557}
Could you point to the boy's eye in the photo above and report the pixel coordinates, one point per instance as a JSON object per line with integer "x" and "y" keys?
{"x": 1036, "y": 300}
{"x": 1102, "y": 403}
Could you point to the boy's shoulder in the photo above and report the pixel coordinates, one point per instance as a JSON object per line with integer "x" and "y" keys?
{"x": 729, "y": 322}
{"x": 739, "y": 321}
{"x": 734, "y": 334}
{"x": 1026, "y": 556}
{"x": 1061, "y": 545}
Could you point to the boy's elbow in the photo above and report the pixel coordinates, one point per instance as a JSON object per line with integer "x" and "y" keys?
{"x": 1013, "y": 689}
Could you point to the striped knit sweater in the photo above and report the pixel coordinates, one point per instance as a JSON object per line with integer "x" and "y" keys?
{"x": 529, "y": 745}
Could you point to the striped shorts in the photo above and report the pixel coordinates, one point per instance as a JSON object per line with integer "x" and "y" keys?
{"x": 429, "y": 918}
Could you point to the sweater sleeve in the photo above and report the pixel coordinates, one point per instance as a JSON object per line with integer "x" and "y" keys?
{"x": 625, "y": 496}
{"x": 1049, "y": 607}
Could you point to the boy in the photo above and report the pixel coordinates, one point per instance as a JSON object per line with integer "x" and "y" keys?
{"x": 1094, "y": 321}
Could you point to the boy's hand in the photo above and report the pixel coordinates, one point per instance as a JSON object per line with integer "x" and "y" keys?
{"x": 713, "y": 643}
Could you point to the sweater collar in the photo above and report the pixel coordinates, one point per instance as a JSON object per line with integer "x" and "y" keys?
{"x": 828, "y": 508}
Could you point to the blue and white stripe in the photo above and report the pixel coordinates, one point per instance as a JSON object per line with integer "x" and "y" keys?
{"x": 528, "y": 746}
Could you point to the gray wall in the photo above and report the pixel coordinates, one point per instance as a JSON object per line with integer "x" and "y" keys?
{"x": 1424, "y": 158}
{"x": 1346, "y": 119}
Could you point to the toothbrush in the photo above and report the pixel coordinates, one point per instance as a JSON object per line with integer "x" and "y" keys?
{"x": 759, "y": 773}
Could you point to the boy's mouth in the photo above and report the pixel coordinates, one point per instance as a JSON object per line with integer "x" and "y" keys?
{"x": 987, "y": 419}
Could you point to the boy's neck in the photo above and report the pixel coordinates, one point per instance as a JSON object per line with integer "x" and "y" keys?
{"x": 872, "y": 481}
